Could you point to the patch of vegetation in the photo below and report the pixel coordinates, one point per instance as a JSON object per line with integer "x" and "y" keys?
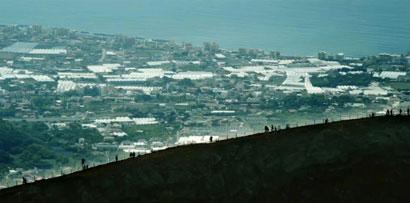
{"x": 146, "y": 131}
{"x": 34, "y": 144}
{"x": 334, "y": 79}
{"x": 401, "y": 86}
{"x": 277, "y": 80}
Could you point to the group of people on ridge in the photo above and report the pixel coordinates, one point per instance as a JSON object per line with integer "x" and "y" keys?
{"x": 391, "y": 113}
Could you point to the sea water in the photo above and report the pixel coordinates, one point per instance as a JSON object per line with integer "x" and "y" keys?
{"x": 296, "y": 27}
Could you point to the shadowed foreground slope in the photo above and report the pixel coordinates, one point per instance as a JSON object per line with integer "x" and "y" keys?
{"x": 361, "y": 160}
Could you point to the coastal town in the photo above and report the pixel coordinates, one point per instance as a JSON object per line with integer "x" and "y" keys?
{"x": 119, "y": 94}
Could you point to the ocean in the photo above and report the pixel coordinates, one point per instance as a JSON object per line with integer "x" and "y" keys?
{"x": 293, "y": 27}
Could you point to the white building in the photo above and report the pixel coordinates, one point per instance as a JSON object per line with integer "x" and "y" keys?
{"x": 42, "y": 78}
{"x": 195, "y": 139}
{"x": 104, "y": 68}
{"x": 141, "y": 74}
{"x": 136, "y": 121}
{"x": 76, "y": 75}
{"x": 310, "y": 88}
{"x": 157, "y": 146}
{"x": 65, "y": 86}
{"x": 145, "y": 121}
{"x": 158, "y": 63}
{"x": 145, "y": 90}
{"x": 220, "y": 56}
{"x": 375, "y": 90}
{"x": 49, "y": 51}
{"x": 389, "y": 74}
{"x": 193, "y": 75}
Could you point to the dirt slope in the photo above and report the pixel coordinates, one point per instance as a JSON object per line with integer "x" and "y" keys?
{"x": 359, "y": 160}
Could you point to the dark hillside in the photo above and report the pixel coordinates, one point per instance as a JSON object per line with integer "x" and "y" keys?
{"x": 366, "y": 160}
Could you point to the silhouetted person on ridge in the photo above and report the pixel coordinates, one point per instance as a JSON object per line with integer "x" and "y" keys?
{"x": 83, "y": 163}
{"x": 24, "y": 180}
{"x": 266, "y": 129}
{"x": 387, "y": 112}
{"x": 373, "y": 115}
{"x": 132, "y": 154}
{"x": 271, "y": 128}
{"x": 210, "y": 139}
{"x": 116, "y": 158}
{"x": 326, "y": 121}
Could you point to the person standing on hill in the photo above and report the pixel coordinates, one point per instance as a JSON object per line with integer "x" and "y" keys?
{"x": 83, "y": 163}
{"x": 266, "y": 129}
{"x": 132, "y": 154}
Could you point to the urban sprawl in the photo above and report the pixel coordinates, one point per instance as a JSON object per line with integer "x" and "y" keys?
{"x": 115, "y": 94}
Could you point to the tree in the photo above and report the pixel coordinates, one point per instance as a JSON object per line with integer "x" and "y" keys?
{"x": 92, "y": 91}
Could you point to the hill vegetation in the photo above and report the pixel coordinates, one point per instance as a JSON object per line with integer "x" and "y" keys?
{"x": 34, "y": 144}
{"x": 359, "y": 160}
